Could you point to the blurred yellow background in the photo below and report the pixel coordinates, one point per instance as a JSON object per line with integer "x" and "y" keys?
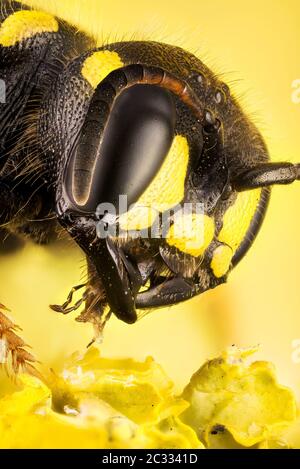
{"x": 256, "y": 45}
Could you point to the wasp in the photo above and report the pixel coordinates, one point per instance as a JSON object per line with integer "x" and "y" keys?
{"x": 83, "y": 126}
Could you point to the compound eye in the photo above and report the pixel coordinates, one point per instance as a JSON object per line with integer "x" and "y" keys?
{"x": 136, "y": 139}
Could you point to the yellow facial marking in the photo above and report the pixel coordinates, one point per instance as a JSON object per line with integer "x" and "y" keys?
{"x": 138, "y": 218}
{"x": 238, "y": 217}
{"x": 25, "y": 24}
{"x": 221, "y": 260}
{"x": 165, "y": 191}
{"x": 99, "y": 65}
{"x": 191, "y": 234}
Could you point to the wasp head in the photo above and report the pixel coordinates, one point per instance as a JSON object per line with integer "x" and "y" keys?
{"x": 148, "y": 175}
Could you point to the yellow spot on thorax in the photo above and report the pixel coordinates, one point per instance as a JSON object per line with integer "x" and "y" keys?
{"x": 25, "y": 24}
{"x": 165, "y": 191}
{"x": 191, "y": 233}
{"x": 221, "y": 260}
{"x": 238, "y": 217}
{"x": 99, "y": 65}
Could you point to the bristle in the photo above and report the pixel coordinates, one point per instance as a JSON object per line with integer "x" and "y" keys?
{"x": 14, "y": 357}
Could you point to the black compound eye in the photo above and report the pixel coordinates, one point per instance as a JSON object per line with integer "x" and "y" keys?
{"x": 134, "y": 144}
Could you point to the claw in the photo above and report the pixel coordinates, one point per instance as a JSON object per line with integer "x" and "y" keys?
{"x": 63, "y": 309}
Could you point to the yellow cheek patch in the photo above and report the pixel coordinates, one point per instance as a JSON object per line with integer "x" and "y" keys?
{"x": 238, "y": 217}
{"x": 25, "y": 24}
{"x": 99, "y": 65}
{"x": 165, "y": 191}
{"x": 138, "y": 218}
{"x": 221, "y": 260}
{"x": 191, "y": 234}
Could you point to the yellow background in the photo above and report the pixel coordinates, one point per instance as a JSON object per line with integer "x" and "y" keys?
{"x": 256, "y": 45}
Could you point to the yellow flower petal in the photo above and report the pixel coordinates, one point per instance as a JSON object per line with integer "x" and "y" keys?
{"x": 244, "y": 399}
{"x": 141, "y": 391}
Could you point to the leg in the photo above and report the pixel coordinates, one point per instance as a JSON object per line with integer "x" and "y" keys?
{"x": 95, "y": 311}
